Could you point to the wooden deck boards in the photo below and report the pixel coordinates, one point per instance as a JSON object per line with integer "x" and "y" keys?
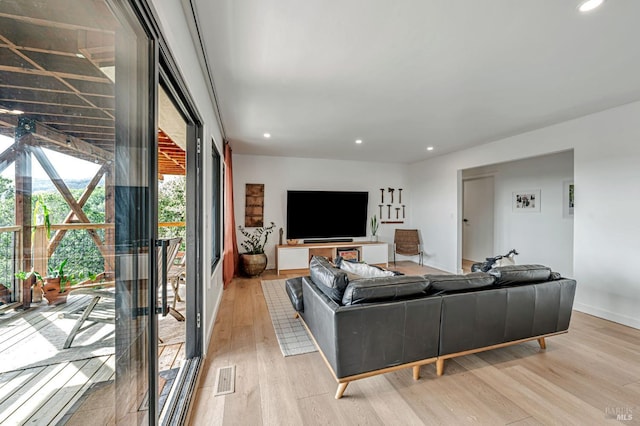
{"x": 44, "y": 394}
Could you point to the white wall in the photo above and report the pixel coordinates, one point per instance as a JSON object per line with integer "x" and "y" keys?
{"x": 279, "y": 174}
{"x": 606, "y": 229}
{"x": 544, "y": 237}
{"x": 176, "y": 31}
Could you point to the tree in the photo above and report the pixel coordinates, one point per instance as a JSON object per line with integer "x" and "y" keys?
{"x": 172, "y": 201}
{"x": 7, "y": 202}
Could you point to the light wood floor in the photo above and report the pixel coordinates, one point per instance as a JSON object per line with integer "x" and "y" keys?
{"x": 580, "y": 378}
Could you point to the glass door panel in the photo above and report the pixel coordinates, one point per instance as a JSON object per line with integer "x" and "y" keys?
{"x": 78, "y": 135}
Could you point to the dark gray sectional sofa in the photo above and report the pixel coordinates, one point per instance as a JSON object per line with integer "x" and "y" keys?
{"x": 370, "y": 326}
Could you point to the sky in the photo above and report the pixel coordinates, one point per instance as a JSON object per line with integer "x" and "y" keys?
{"x": 67, "y": 167}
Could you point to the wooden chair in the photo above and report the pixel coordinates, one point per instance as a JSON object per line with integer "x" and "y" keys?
{"x": 102, "y": 307}
{"x": 178, "y": 275}
{"x": 407, "y": 243}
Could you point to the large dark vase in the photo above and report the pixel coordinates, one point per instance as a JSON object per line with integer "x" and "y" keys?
{"x": 253, "y": 264}
{"x": 51, "y": 291}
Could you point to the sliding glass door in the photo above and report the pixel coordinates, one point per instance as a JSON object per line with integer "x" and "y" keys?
{"x": 78, "y": 133}
{"x": 135, "y": 215}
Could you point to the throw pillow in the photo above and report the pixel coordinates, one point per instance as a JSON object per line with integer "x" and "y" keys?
{"x": 364, "y": 270}
{"x": 329, "y": 279}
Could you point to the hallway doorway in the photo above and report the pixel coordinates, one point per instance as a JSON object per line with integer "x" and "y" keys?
{"x": 478, "y": 219}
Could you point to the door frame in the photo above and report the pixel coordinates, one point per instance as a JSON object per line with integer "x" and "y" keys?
{"x": 475, "y": 178}
{"x": 164, "y": 69}
{"x": 460, "y": 197}
{"x": 173, "y": 83}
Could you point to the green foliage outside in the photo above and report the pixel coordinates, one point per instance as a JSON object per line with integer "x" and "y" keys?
{"x": 7, "y": 202}
{"x": 77, "y": 245}
{"x": 172, "y": 201}
{"x": 7, "y": 218}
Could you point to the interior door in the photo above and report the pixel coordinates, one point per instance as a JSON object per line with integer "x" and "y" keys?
{"x": 478, "y": 218}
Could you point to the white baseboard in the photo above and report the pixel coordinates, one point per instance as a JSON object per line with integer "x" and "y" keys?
{"x": 212, "y": 320}
{"x": 608, "y": 315}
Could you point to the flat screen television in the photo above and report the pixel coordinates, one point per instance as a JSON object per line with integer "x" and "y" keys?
{"x": 326, "y": 214}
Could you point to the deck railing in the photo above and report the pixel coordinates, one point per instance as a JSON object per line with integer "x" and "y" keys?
{"x": 172, "y": 230}
{"x": 84, "y": 245}
{"x": 9, "y": 249}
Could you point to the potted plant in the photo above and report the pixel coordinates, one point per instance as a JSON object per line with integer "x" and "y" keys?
{"x": 374, "y": 228}
{"x": 254, "y": 261}
{"x": 43, "y": 218}
{"x": 5, "y": 293}
{"x": 55, "y": 284}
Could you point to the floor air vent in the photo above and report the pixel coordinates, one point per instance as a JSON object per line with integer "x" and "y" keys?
{"x": 226, "y": 380}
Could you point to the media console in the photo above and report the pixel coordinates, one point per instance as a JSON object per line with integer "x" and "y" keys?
{"x": 297, "y": 256}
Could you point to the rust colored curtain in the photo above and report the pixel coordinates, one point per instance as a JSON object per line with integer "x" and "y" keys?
{"x": 230, "y": 260}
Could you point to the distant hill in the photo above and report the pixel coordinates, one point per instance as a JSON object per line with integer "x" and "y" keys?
{"x": 45, "y": 185}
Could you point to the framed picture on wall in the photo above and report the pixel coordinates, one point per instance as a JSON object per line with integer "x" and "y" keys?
{"x": 526, "y": 201}
{"x": 568, "y": 198}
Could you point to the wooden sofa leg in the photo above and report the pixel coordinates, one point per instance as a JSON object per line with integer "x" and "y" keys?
{"x": 542, "y": 343}
{"x": 341, "y": 388}
{"x": 416, "y": 372}
{"x": 296, "y": 316}
{"x": 440, "y": 366}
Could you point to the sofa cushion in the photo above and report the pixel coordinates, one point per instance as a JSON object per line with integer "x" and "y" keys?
{"x": 294, "y": 291}
{"x": 366, "y": 290}
{"x": 520, "y": 274}
{"x": 329, "y": 279}
{"x": 454, "y": 283}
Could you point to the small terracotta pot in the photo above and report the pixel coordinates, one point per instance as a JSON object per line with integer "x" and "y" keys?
{"x": 5, "y": 294}
{"x": 52, "y": 293}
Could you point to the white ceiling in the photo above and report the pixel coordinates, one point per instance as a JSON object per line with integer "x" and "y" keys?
{"x": 406, "y": 74}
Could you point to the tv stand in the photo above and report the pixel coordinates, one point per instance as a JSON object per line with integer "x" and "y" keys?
{"x": 296, "y": 257}
{"x": 331, "y": 240}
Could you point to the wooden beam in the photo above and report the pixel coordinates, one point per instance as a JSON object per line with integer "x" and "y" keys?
{"x": 23, "y": 214}
{"x": 42, "y": 131}
{"x": 66, "y": 194}
{"x": 110, "y": 218}
{"x": 58, "y": 75}
{"x": 79, "y": 112}
{"x": 17, "y": 94}
{"x": 69, "y": 19}
{"x": 88, "y": 129}
{"x": 46, "y": 38}
{"x": 47, "y": 83}
{"x": 8, "y": 157}
{"x": 59, "y": 235}
{"x": 172, "y": 160}
{"x": 58, "y": 67}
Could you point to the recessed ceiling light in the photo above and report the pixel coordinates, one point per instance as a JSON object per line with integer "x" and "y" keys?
{"x": 267, "y": 135}
{"x": 358, "y": 141}
{"x": 589, "y": 5}
{"x": 429, "y": 148}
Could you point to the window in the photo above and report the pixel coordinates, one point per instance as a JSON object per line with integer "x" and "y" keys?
{"x": 216, "y": 207}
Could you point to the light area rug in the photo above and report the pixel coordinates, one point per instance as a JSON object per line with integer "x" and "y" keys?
{"x": 291, "y": 334}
